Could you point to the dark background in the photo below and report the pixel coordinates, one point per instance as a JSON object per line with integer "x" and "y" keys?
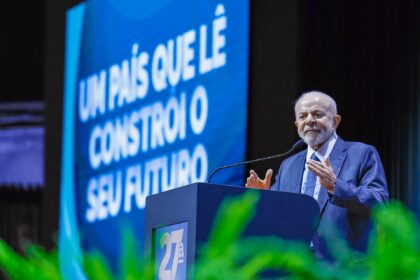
{"x": 363, "y": 53}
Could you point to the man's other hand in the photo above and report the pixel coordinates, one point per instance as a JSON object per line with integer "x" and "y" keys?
{"x": 253, "y": 181}
{"x": 325, "y": 173}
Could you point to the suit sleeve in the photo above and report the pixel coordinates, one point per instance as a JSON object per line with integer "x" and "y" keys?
{"x": 371, "y": 188}
{"x": 276, "y": 185}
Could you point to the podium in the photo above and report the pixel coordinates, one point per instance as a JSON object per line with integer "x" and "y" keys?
{"x": 181, "y": 219}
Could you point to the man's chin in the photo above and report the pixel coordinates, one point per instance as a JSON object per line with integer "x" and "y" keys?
{"x": 309, "y": 142}
{"x": 316, "y": 139}
{"x": 313, "y": 141}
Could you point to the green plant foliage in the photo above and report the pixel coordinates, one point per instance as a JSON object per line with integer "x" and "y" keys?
{"x": 394, "y": 252}
{"x": 133, "y": 266}
{"x": 218, "y": 257}
{"x": 96, "y": 267}
{"x": 228, "y": 256}
{"x": 38, "y": 264}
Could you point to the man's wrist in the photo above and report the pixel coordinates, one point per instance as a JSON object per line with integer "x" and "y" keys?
{"x": 332, "y": 187}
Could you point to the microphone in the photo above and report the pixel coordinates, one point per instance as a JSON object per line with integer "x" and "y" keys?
{"x": 299, "y": 144}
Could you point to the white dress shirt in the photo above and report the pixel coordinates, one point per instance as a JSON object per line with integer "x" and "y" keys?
{"x": 322, "y": 153}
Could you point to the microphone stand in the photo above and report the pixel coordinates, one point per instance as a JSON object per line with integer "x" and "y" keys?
{"x": 296, "y": 146}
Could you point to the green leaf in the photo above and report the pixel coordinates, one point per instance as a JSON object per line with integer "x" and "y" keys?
{"x": 96, "y": 267}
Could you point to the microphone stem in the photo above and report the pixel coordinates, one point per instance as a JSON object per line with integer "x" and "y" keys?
{"x": 249, "y": 161}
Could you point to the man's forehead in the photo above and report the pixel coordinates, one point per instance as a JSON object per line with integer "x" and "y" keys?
{"x": 313, "y": 103}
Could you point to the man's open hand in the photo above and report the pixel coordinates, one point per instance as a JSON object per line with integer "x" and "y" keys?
{"x": 325, "y": 173}
{"x": 253, "y": 181}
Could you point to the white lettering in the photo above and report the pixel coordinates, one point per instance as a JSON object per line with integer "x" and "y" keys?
{"x": 198, "y": 115}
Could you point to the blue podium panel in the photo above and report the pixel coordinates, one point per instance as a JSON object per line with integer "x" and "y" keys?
{"x": 193, "y": 208}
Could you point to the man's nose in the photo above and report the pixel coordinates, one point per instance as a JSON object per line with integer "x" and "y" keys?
{"x": 309, "y": 119}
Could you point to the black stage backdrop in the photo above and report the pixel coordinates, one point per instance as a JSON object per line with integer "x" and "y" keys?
{"x": 363, "y": 53}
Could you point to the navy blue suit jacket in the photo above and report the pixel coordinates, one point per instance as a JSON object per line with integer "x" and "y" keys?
{"x": 361, "y": 184}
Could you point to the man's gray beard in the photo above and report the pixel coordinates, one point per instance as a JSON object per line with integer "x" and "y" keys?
{"x": 315, "y": 139}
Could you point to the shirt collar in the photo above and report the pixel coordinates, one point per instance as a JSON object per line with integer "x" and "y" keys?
{"x": 324, "y": 151}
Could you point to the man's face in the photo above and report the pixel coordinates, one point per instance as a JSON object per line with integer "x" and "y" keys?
{"x": 315, "y": 120}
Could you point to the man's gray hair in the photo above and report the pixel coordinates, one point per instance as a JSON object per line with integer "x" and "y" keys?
{"x": 331, "y": 101}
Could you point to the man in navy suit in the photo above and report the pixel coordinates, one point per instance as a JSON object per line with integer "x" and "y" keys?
{"x": 346, "y": 178}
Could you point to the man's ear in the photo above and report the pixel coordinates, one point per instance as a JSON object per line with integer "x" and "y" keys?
{"x": 296, "y": 124}
{"x": 337, "y": 120}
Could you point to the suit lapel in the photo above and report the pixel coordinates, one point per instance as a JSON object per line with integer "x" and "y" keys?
{"x": 295, "y": 174}
{"x": 337, "y": 157}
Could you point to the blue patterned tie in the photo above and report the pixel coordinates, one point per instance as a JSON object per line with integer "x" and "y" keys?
{"x": 311, "y": 179}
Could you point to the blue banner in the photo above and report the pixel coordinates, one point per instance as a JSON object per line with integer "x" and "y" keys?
{"x": 155, "y": 99}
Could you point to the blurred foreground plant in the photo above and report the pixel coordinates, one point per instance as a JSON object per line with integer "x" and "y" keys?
{"x": 228, "y": 256}
{"x": 41, "y": 265}
{"x": 37, "y": 264}
{"x": 132, "y": 265}
{"x": 394, "y": 252}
